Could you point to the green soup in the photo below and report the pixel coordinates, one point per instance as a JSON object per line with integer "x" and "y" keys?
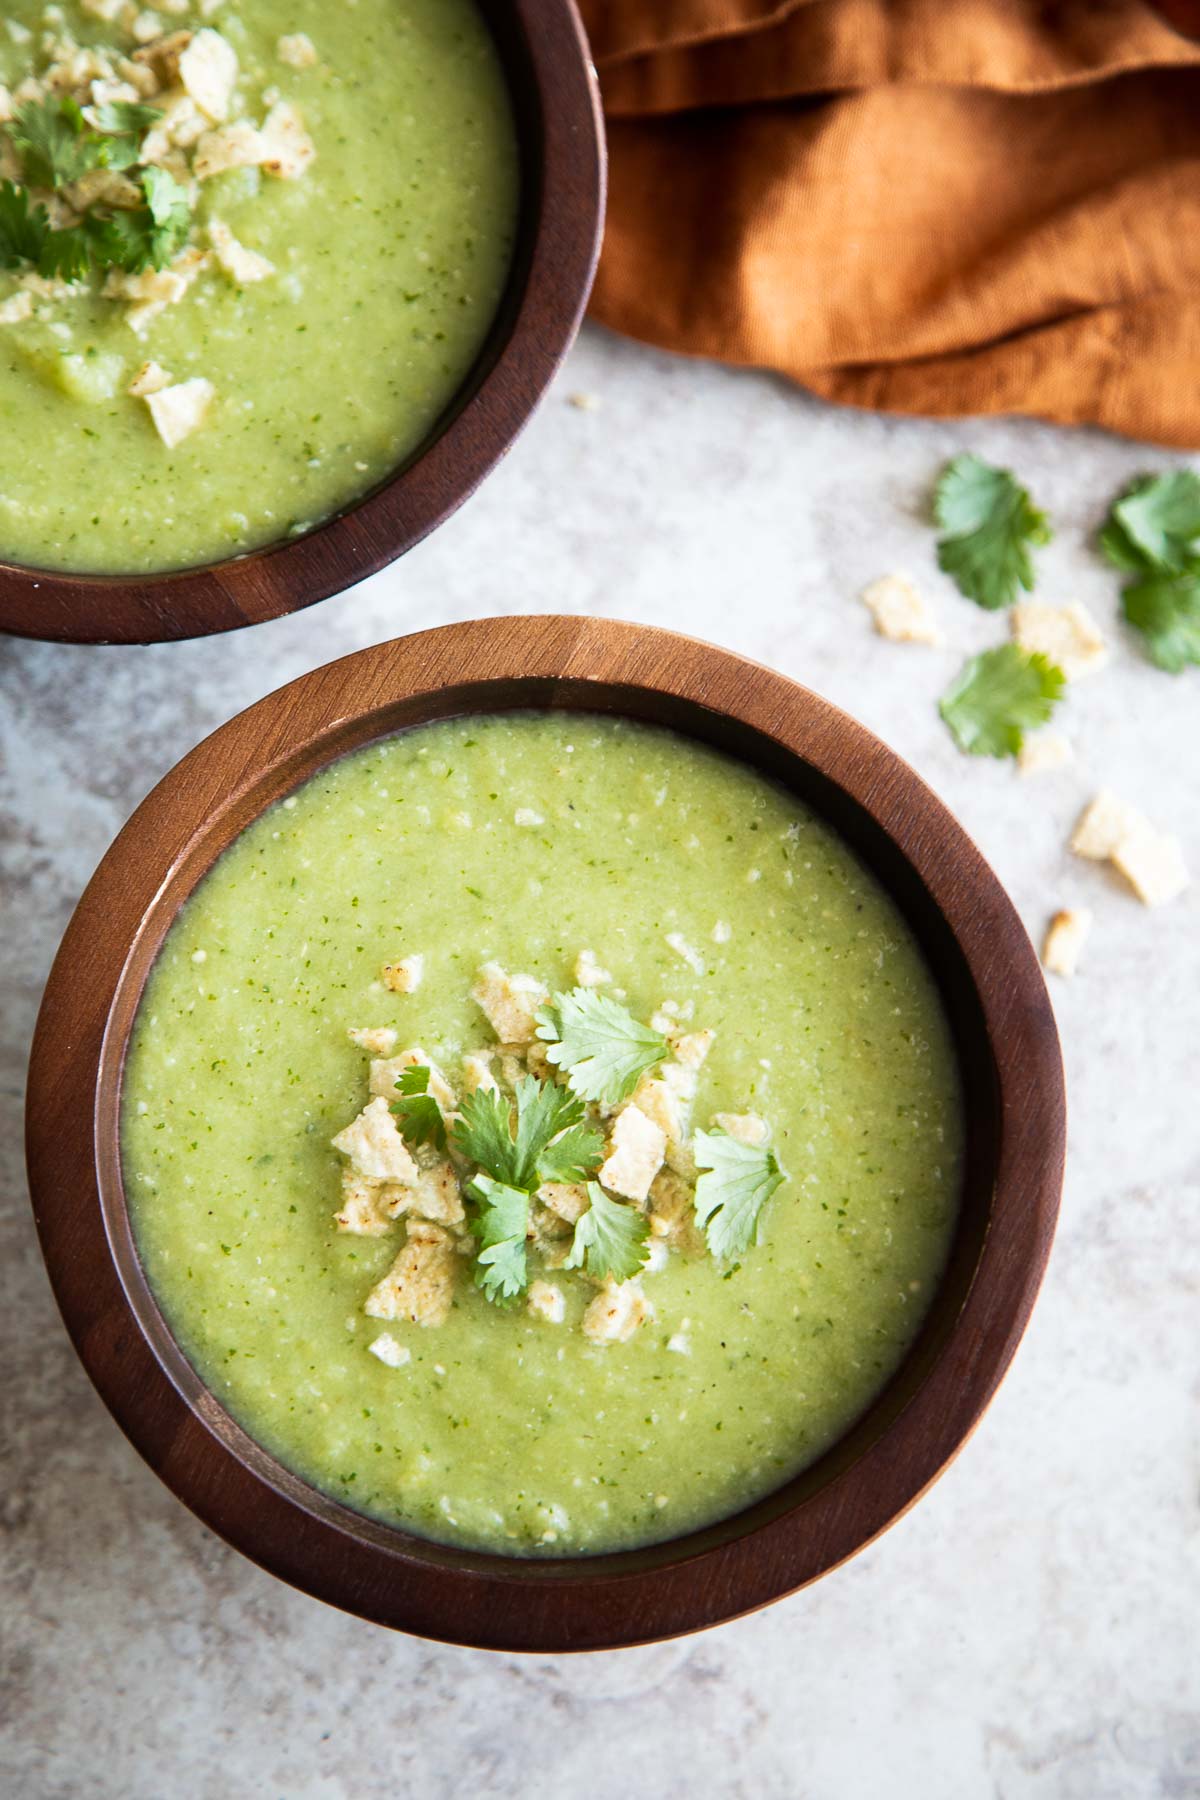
{"x": 387, "y": 256}
{"x": 505, "y": 1431}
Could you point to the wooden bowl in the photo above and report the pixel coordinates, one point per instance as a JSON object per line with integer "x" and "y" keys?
{"x": 561, "y": 144}
{"x": 992, "y": 989}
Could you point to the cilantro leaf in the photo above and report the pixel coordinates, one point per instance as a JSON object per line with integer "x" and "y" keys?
{"x": 501, "y": 1268}
{"x": 601, "y": 1045}
{"x": 610, "y": 1238}
{"x": 574, "y": 1156}
{"x": 23, "y": 228}
{"x": 989, "y": 522}
{"x": 1165, "y": 608}
{"x": 1155, "y": 523}
{"x": 735, "y": 1183}
{"x": 54, "y": 144}
{"x": 124, "y": 118}
{"x": 998, "y": 697}
{"x": 547, "y": 1142}
{"x": 418, "y": 1113}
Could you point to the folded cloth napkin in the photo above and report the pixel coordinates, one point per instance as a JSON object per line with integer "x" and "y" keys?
{"x": 926, "y": 206}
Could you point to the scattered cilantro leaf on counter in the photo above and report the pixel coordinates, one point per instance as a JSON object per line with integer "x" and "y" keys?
{"x": 601, "y": 1046}
{"x": 735, "y": 1183}
{"x": 416, "y": 1111}
{"x": 1000, "y": 695}
{"x": 1155, "y": 523}
{"x": 989, "y": 524}
{"x": 53, "y": 141}
{"x": 610, "y": 1238}
{"x": 501, "y": 1268}
{"x": 1165, "y": 608}
{"x": 547, "y": 1142}
{"x": 23, "y": 228}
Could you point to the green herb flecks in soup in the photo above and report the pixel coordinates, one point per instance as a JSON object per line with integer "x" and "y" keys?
{"x": 542, "y": 1132}
{"x": 248, "y": 254}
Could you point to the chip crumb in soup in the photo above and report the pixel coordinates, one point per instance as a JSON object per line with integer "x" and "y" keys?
{"x": 543, "y": 1133}
{"x": 248, "y": 254}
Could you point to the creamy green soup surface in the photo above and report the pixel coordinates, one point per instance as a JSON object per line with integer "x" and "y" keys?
{"x": 524, "y": 840}
{"x": 349, "y": 184}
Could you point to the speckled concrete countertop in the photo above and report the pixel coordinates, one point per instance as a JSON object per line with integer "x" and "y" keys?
{"x": 1030, "y": 1631}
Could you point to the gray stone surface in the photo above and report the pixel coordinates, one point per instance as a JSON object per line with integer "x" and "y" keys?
{"x": 1030, "y": 1631}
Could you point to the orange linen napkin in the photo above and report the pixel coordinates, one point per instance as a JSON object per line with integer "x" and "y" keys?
{"x": 927, "y": 206}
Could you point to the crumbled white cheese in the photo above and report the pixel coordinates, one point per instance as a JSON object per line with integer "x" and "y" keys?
{"x": 568, "y": 1200}
{"x": 108, "y": 10}
{"x": 243, "y": 265}
{"x": 386, "y": 1071}
{"x": 746, "y": 1128}
{"x": 435, "y": 1194}
{"x": 477, "y": 1075}
{"x": 419, "y": 1286}
{"x": 1153, "y": 865}
{"x": 546, "y": 1301}
{"x": 365, "y": 1209}
{"x": 510, "y": 1003}
{"x": 16, "y": 308}
{"x": 146, "y": 27}
{"x": 588, "y": 972}
{"x": 182, "y": 124}
{"x": 236, "y": 146}
{"x": 151, "y": 378}
{"x": 525, "y": 815}
{"x": 297, "y": 50}
{"x": 389, "y": 1351}
{"x": 585, "y": 402}
{"x": 1065, "y": 938}
{"x": 208, "y": 70}
{"x": 635, "y": 1154}
{"x": 380, "y": 1040}
{"x": 178, "y": 411}
{"x": 1043, "y": 751}
{"x": 287, "y": 146}
{"x": 722, "y": 931}
{"x": 616, "y": 1312}
{"x": 1067, "y": 636}
{"x": 900, "y": 612}
{"x": 679, "y": 944}
{"x": 403, "y": 976}
{"x": 374, "y": 1145}
{"x": 660, "y": 1102}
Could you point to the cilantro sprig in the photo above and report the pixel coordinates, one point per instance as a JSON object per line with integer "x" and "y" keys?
{"x": 1153, "y": 533}
{"x": 734, "y": 1185}
{"x": 416, "y": 1111}
{"x": 23, "y": 227}
{"x": 501, "y": 1267}
{"x": 601, "y": 1046}
{"x": 610, "y": 1238}
{"x": 989, "y": 523}
{"x": 1000, "y": 695}
{"x": 541, "y": 1136}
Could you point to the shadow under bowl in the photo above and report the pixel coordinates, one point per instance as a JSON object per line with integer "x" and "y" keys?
{"x": 560, "y": 136}
{"x": 990, "y": 985}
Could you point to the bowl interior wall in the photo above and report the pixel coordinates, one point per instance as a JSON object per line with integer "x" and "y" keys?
{"x": 872, "y": 844}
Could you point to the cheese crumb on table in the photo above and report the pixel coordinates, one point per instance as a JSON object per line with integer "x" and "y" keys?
{"x": 1043, "y": 751}
{"x": 1151, "y": 861}
{"x": 1067, "y": 636}
{"x": 900, "y": 612}
{"x": 1065, "y": 938}
{"x": 1104, "y": 822}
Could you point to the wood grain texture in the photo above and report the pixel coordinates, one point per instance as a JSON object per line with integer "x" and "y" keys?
{"x": 561, "y": 143}
{"x": 992, "y": 989}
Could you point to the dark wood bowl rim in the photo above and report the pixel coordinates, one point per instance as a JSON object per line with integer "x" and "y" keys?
{"x": 902, "y": 1442}
{"x": 561, "y": 217}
